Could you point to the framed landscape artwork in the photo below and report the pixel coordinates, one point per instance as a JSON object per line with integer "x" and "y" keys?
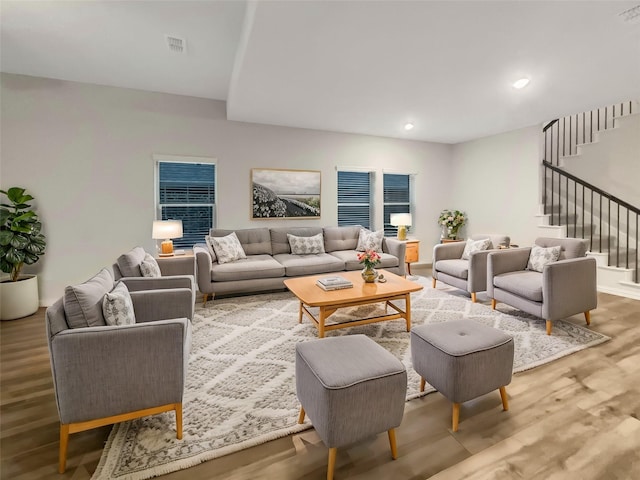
{"x": 285, "y": 193}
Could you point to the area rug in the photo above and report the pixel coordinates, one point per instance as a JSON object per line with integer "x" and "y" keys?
{"x": 240, "y": 389}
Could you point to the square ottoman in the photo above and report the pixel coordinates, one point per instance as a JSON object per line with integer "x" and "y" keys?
{"x": 351, "y": 388}
{"x": 462, "y": 359}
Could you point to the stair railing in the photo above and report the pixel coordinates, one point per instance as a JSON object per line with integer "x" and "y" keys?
{"x": 591, "y": 198}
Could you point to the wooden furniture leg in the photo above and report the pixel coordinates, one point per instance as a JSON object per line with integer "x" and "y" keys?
{"x": 473, "y": 297}
{"x": 407, "y": 309}
{"x": 422, "y": 383}
{"x": 178, "y": 411}
{"x": 503, "y": 396}
{"x": 392, "y": 443}
{"x": 64, "y": 443}
{"x": 301, "y": 416}
{"x": 456, "y": 417}
{"x": 433, "y": 282}
{"x": 549, "y": 326}
{"x": 205, "y": 296}
{"x": 332, "y": 463}
{"x": 587, "y": 317}
{"x": 300, "y": 314}
{"x": 321, "y": 323}
{"x": 493, "y": 303}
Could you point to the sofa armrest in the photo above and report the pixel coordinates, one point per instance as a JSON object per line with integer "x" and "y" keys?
{"x": 137, "y": 284}
{"x": 569, "y": 287}
{"x": 203, "y": 268}
{"x": 177, "y": 265}
{"x": 504, "y": 261}
{"x": 398, "y": 249}
{"x": 448, "y": 251}
{"x": 152, "y": 305}
{"x": 477, "y": 278}
{"x": 104, "y": 371}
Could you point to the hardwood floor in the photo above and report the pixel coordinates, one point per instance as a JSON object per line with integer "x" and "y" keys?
{"x": 576, "y": 417}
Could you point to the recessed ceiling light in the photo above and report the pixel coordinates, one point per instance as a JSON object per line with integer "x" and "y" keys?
{"x": 523, "y": 82}
{"x": 408, "y": 126}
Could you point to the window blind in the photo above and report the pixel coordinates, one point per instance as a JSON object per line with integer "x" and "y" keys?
{"x": 354, "y": 199}
{"x": 397, "y": 199}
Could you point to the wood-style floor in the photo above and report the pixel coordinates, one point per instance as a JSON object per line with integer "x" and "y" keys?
{"x": 576, "y": 417}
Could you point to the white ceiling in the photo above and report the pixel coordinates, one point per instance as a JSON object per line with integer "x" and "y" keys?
{"x": 350, "y": 66}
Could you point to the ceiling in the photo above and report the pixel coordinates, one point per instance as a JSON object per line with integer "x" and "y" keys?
{"x": 363, "y": 67}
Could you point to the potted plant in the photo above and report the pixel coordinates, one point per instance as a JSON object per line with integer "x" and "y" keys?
{"x": 21, "y": 243}
{"x": 451, "y": 220}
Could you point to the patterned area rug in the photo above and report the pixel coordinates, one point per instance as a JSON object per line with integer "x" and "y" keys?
{"x": 240, "y": 389}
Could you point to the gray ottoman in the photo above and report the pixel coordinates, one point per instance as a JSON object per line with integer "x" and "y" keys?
{"x": 462, "y": 359}
{"x": 351, "y": 388}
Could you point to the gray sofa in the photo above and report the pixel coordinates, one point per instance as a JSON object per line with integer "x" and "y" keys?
{"x": 270, "y": 261}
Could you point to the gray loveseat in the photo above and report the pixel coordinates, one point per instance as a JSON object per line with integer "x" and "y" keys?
{"x": 270, "y": 261}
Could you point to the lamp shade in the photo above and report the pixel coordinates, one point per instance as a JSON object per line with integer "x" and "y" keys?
{"x": 401, "y": 219}
{"x": 165, "y": 229}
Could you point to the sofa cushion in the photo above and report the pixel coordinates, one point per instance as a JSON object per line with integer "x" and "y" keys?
{"x": 83, "y": 303}
{"x": 475, "y": 246}
{"x": 570, "y": 247}
{"x": 456, "y": 268}
{"x": 129, "y": 263}
{"x": 280, "y": 242}
{"x": 539, "y": 257}
{"x": 254, "y": 266}
{"x": 117, "y": 306}
{"x": 228, "y": 248}
{"x": 306, "y": 245}
{"x": 341, "y": 238}
{"x": 497, "y": 240}
{"x": 350, "y": 259}
{"x": 297, "y": 265}
{"x": 368, "y": 240}
{"x": 254, "y": 241}
{"x": 524, "y": 283}
{"x": 149, "y": 267}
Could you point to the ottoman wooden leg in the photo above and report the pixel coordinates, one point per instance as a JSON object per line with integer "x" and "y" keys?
{"x": 301, "y": 416}
{"x": 332, "y": 463}
{"x": 456, "y": 417}
{"x": 392, "y": 443}
{"x": 503, "y": 396}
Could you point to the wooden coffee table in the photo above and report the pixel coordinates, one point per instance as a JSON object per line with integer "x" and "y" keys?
{"x": 310, "y": 295}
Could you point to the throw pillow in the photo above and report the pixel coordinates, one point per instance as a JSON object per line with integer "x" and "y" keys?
{"x": 209, "y": 243}
{"x": 117, "y": 306}
{"x": 368, "y": 240}
{"x": 149, "y": 267}
{"x": 306, "y": 245}
{"x": 83, "y": 303}
{"x": 540, "y": 256}
{"x": 475, "y": 246}
{"x": 228, "y": 249}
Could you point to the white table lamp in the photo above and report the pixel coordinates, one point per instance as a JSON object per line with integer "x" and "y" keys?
{"x": 165, "y": 230}
{"x": 402, "y": 221}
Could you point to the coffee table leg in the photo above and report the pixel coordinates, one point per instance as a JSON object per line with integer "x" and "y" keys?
{"x": 300, "y": 315}
{"x": 407, "y": 310}
{"x": 321, "y": 323}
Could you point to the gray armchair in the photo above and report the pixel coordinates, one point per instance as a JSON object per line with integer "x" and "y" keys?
{"x": 471, "y": 275}
{"x": 108, "y": 374}
{"x": 127, "y": 269}
{"x": 564, "y": 288}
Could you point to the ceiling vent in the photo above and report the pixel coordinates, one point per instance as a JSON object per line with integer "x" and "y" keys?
{"x": 631, "y": 15}
{"x": 176, "y": 44}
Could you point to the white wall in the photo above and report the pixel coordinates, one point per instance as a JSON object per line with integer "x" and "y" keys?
{"x": 85, "y": 153}
{"x": 496, "y": 184}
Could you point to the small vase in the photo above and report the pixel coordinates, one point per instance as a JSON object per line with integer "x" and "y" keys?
{"x": 369, "y": 275}
{"x": 451, "y": 233}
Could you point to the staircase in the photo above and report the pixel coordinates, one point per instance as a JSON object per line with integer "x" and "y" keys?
{"x": 590, "y": 189}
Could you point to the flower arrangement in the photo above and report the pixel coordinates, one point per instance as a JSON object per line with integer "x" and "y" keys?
{"x": 452, "y": 220}
{"x": 369, "y": 258}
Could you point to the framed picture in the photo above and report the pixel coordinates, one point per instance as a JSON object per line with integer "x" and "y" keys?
{"x": 285, "y": 193}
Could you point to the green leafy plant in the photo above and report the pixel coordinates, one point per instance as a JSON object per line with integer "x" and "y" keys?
{"x": 21, "y": 242}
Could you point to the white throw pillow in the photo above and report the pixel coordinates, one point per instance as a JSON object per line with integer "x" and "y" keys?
{"x": 209, "y": 243}
{"x": 306, "y": 245}
{"x": 540, "y": 256}
{"x": 368, "y": 240}
{"x": 149, "y": 267}
{"x": 228, "y": 249}
{"x": 117, "y": 306}
{"x": 475, "y": 246}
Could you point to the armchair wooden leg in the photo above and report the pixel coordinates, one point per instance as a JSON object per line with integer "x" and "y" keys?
{"x": 473, "y": 297}
{"x": 392, "y": 443}
{"x": 433, "y": 282}
{"x": 493, "y": 303}
{"x": 332, "y": 462}
{"x": 422, "y": 383}
{"x": 549, "y": 326}
{"x": 455, "y": 417}
{"x": 205, "y": 297}
{"x": 178, "y": 410}
{"x": 301, "y": 416}
{"x": 505, "y": 400}
{"x": 587, "y": 317}
{"x": 64, "y": 443}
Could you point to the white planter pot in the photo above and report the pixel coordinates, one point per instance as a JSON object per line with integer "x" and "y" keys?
{"x": 19, "y": 299}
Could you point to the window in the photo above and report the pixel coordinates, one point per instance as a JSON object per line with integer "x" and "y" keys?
{"x": 186, "y": 191}
{"x": 354, "y": 199}
{"x": 397, "y": 198}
